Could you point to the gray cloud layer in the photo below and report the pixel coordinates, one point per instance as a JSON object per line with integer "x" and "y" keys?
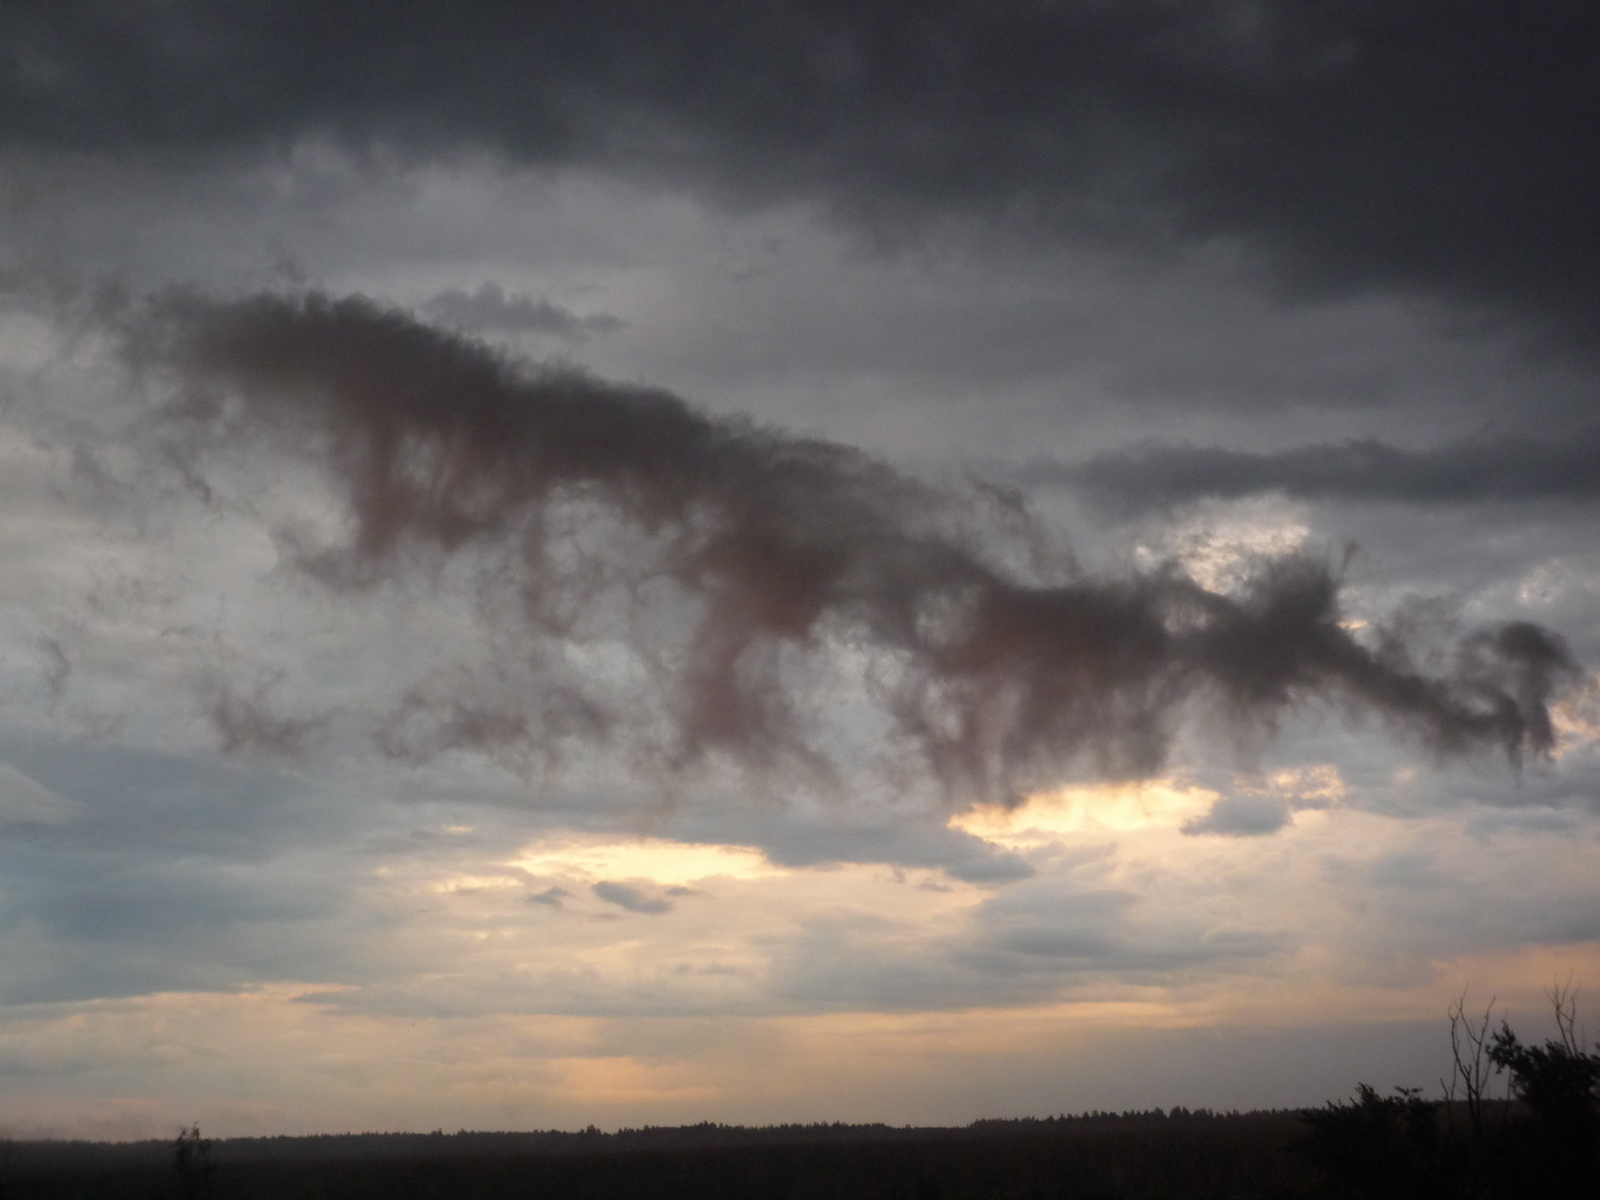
{"x": 1411, "y": 144}
{"x": 1508, "y": 468}
{"x": 172, "y": 873}
{"x": 631, "y": 898}
{"x": 993, "y": 676}
{"x": 489, "y": 308}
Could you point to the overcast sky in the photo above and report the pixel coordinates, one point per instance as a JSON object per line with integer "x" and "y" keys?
{"x": 627, "y": 563}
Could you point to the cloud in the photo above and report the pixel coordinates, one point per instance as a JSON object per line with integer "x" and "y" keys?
{"x": 1299, "y": 129}
{"x": 140, "y": 802}
{"x": 489, "y": 308}
{"x": 1242, "y": 816}
{"x": 768, "y": 556}
{"x": 1055, "y": 928}
{"x": 1481, "y": 469}
{"x": 173, "y": 874}
{"x": 551, "y": 897}
{"x": 805, "y": 836}
{"x": 24, "y": 801}
{"x": 247, "y": 721}
{"x": 1037, "y": 942}
{"x": 635, "y": 900}
{"x": 95, "y": 924}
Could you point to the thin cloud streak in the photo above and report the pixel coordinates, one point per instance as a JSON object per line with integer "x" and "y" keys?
{"x": 1479, "y": 470}
{"x": 994, "y": 679}
{"x": 489, "y": 308}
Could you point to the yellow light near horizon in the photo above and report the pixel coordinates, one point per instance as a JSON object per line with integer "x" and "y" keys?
{"x": 1090, "y": 808}
{"x": 621, "y": 1079}
{"x": 660, "y": 860}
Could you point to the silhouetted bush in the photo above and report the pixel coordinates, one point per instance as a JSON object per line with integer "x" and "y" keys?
{"x": 1376, "y": 1147}
{"x": 194, "y": 1175}
{"x": 1543, "y": 1140}
{"x": 1559, "y": 1085}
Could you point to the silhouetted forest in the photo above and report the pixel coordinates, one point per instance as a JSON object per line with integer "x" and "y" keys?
{"x": 1541, "y": 1139}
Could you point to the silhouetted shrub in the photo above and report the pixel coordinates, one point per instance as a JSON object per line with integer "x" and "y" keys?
{"x": 1374, "y": 1147}
{"x": 194, "y": 1175}
{"x": 1559, "y": 1084}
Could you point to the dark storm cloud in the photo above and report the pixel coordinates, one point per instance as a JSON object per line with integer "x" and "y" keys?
{"x": 1485, "y": 468}
{"x": 1412, "y": 144}
{"x": 994, "y": 676}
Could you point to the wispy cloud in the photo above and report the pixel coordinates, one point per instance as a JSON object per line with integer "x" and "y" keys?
{"x": 631, "y": 897}
{"x": 1483, "y": 469}
{"x": 996, "y": 679}
{"x": 490, "y": 309}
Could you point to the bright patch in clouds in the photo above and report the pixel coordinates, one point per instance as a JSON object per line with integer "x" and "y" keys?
{"x": 659, "y": 860}
{"x": 1103, "y": 808}
{"x": 1147, "y": 805}
{"x": 1220, "y": 545}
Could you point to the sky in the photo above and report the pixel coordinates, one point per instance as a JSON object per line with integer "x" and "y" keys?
{"x": 636, "y": 564}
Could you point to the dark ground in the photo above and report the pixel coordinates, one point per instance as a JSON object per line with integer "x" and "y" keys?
{"x": 1370, "y": 1148}
{"x": 1090, "y": 1157}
